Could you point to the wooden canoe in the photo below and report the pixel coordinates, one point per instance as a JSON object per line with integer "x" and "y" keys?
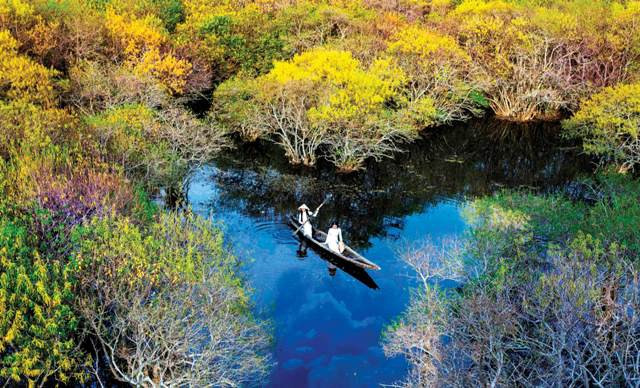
{"x": 349, "y": 255}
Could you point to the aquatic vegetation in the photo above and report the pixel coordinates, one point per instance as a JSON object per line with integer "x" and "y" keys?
{"x": 545, "y": 293}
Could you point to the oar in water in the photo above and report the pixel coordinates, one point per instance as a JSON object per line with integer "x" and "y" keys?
{"x": 315, "y": 213}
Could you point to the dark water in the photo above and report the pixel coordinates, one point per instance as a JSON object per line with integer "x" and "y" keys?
{"x": 328, "y": 321}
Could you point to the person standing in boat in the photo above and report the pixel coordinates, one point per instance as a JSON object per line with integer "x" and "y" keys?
{"x": 304, "y": 218}
{"x": 334, "y": 238}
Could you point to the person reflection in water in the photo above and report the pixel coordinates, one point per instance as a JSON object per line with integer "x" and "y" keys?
{"x": 302, "y": 250}
{"x": 332, "y": 270}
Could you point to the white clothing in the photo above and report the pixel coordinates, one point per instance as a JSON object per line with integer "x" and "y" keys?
{"x": 334, "y": 235}
{"x": 307, "y": 229}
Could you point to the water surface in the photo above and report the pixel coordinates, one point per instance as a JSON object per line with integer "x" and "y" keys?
{"x": 327, "y": 317}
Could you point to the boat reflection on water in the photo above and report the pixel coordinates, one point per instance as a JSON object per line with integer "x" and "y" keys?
{"x": 354, "y": 271}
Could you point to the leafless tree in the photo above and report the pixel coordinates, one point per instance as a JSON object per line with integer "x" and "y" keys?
{"x": 449, "y": 80}
{"x": 574, "y": 324}
{"x": 165, "y": 311}
{"x": 348, "y": 148}
{"x": 184, "y": 336}
{"x": 536, "y": 87}
{"x": 285, "y": 116}
{"x": 443, "y": 260}
{"x": 196, "y": 139}
{"x": 98, "y": 86}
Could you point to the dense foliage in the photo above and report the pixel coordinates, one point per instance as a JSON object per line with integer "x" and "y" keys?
{"x": 38, "y": 323}
{"x": 90, "y": 122}
{"x": 150, "y": 299}
{"x": 451, "y": 60}
{"x": 548, "y": 293}
{"x": 609, "y": 124}
{"x": 403, "y": 67}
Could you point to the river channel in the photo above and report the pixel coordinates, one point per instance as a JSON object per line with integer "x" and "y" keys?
{"x": 327, "y": 318}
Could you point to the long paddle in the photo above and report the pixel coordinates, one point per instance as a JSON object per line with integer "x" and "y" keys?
{"x": 314, "y": 213}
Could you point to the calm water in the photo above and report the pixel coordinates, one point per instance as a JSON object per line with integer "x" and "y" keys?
{"x": 328, "y": 322}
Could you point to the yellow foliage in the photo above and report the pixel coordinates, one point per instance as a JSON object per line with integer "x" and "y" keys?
{"x": 424, "y": 44}
{"x": 142, "y": 41}
{"x": 125, "y": 130}
{"x": 199, "y": 12}
{"x": 8, "y": 45}
{"x": 173, "y": 251}
{"x": 133, "y": 35}
{"x": 481, "y": 19}
{"x": 346, "y": 90}
{"x": 21, "y": 77}
{"x": 15, "y": 10}
{"x": 199, "y": 8}
{"x": 477, "y": 7}
{"x": 26, "y": 128}
{"x": 169, "y": 70}
{"x": 609, "y": 124}
{"x": 626, "y": 26}
{"x": 557, "y": 22}
{"x": 421, "y": 113}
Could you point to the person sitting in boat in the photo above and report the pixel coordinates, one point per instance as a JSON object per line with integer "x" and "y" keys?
{"x": 304, "y": 218}
{"x": 334, "y": 238}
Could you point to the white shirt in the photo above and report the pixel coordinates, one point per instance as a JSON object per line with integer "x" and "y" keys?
{"x": 307, "y": 229}
{"x": 333, "y": 236}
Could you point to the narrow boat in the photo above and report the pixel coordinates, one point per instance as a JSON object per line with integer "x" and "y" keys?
{"x": 349, "y": 255}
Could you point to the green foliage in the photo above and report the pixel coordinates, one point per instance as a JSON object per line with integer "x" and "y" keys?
{"x": 144, "y": 208}
{"x": 38, "y": 326}
{"x": 555, "y": 219}
{"x": 240, "y": 49}
{"x": 92, "y": 93}
{"x": 539, "y": 272}
{"x": 479, "y": 98}
{"x": 615, "y": 218}
{"x": 87, "y": 102}
{"x": 171, "y": 12}
{"x": 550, "y": 217}
{"x": 235, "y": 105}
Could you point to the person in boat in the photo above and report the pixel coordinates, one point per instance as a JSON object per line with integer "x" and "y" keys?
{"x": 334, "y": 238}
{"x": 304, "y": 218}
